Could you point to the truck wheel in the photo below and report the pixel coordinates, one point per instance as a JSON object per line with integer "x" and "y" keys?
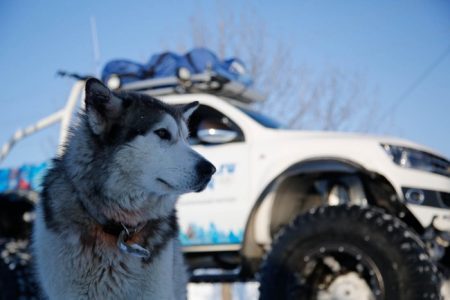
{"x": 348, "y": 252}
{"x": 17, "y": 279}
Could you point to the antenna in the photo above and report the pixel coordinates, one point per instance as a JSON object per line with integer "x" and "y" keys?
{"x": 95, "y": 47}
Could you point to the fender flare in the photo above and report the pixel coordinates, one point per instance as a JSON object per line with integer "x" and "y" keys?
{"x": 251, "y": 252}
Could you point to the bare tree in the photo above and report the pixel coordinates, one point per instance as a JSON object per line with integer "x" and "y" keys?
{"x": 329, "y": 99}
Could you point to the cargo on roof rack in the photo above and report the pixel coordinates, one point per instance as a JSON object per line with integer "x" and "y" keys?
{"x": 207, "y": 82}
{"x": 198, "y": 70}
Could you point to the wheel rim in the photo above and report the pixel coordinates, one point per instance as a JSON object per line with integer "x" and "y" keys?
{"x": 335, "y": 271}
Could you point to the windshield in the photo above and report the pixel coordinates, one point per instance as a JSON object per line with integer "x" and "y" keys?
{"x": 262, "y": 119}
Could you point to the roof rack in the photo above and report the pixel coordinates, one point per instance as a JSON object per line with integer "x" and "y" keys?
{"x": 207, "y": 82}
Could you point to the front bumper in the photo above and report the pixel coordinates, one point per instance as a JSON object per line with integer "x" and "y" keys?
{"x": 429, "y": 204}
{"x": 429, "y": 195}
{"x": 426, "y": 197}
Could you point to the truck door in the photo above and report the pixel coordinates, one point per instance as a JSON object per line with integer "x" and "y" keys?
{"x": 216, "y": 215}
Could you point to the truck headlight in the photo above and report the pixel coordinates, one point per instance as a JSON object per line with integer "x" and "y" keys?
{"x": 416, "y": 159}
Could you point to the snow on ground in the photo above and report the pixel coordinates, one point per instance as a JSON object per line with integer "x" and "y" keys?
{"x": 445, "y": 290}
{"x": 208, "y": 291}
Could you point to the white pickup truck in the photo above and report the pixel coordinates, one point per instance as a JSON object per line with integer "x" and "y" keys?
{"x": 316, "y": 215}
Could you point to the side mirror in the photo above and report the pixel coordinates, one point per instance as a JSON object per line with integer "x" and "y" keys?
{"x": 216, "y": 136}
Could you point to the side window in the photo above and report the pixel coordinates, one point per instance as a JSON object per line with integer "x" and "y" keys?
{"x": 209, "y": 126}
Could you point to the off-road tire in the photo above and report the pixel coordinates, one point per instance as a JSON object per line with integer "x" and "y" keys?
{"x": 406, "y": 271}
{"x": 17, "y": 280}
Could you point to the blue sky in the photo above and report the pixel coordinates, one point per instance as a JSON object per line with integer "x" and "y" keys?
{"x": 391, "y": 42}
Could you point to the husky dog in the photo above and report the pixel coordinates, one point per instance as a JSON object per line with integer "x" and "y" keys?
{"x": 106, "y": 226}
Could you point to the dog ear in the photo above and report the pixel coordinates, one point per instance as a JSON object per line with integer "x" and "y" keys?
{"x": 188, "y": 109}
{"x": 102, "y": 106}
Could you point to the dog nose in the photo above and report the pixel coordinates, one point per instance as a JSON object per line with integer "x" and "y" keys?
{"x": 205, "y": 168}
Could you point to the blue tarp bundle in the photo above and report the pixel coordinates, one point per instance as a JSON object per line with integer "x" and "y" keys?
{"x": 27, "y": 177}
{"x": 167, "y": 64}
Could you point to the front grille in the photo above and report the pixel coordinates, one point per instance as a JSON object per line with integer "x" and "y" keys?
{"x": 445, "y": 197}
{"x": 439, "y": 165}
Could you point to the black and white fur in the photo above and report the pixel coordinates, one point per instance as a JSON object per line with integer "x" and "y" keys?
{"x": 125, "y": 163}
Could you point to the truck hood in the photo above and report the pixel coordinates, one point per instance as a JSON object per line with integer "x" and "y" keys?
{"x": 343, "y": 137}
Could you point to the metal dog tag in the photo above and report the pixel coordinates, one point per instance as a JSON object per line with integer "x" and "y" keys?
{"x": 133, "y": 249}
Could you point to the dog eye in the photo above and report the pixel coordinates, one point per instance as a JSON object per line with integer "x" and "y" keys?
{"x": 163, "y": 134}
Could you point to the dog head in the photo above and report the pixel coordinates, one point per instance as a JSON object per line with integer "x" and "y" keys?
{"x": 143, "y": 142}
